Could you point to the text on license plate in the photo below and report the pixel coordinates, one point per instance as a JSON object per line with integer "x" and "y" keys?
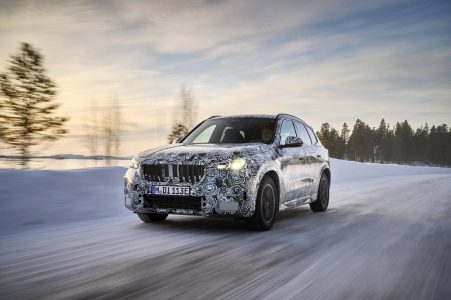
{"x": 170, "y": 190}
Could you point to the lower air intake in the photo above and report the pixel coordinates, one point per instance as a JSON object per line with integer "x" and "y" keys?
{"x": 174, "y": 202}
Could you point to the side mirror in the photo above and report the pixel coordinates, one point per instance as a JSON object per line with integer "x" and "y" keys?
{"x": 292, "y": 141}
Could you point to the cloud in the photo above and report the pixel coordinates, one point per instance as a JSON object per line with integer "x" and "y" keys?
{"x": 366, "y": 85}
{"x": 323, "y": 60}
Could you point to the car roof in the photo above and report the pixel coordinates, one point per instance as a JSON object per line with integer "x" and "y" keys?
{"x": 267, "y": 116}
{"x": 245, "y": 116}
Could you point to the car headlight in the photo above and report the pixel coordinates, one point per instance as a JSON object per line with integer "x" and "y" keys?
{"x": 134, "y": 164}
{"x": 234, "y": 165}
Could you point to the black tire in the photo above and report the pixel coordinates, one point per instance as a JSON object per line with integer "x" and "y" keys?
{"x": 151, "y": 217}
{"x": 267, "y": 205}
{"x": 322, "y": 201}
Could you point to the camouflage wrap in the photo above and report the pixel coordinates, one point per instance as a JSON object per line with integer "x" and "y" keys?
{"x": 216, "y": 186}
{"x": 231, "y": 192}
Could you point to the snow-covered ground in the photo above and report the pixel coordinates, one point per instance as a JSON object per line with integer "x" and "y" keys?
{"x": 387, "y": 234}
{"x": 40, "y": 198}
{"x": 36, "y": 199}
{"x": 351, "y": 171}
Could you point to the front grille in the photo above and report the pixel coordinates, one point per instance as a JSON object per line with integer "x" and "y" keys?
{"x": 180, "y": 172}
{"x": 174, "y": 202}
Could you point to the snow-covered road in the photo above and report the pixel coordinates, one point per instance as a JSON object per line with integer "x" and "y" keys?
{"x": 387, "y": 234}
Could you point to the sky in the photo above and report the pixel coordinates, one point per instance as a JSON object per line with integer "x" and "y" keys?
{"x": 323, "y": 61}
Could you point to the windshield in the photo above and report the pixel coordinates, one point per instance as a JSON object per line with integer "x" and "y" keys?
{"x": 233, "y": 131}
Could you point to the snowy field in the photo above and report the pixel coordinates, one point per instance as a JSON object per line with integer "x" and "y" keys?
{"x": 387, "y": 234}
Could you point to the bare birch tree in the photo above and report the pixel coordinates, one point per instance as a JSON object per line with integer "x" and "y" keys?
{"x": 189, "y": 115}
{"x": 188, "y": 106}
{"x": 92, "y": 129}
{"x": 103, "y": 129}
{"x": 111, "y": 128}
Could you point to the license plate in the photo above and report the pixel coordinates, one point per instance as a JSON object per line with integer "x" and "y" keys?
{"x": 170, "y": 190}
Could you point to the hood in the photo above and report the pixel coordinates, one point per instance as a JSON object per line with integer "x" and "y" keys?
{"x": 180, "y": 152}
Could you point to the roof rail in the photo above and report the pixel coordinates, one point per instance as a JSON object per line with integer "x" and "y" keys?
{"x": 212, "y": 117}
{"x": 284, "y": 114}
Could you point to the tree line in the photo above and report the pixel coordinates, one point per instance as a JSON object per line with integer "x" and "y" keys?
{"x": 401, "y": 143}
{"x": 29, "y": 117}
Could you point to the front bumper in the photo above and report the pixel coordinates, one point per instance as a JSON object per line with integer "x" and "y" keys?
{"x": 218, "y": 193}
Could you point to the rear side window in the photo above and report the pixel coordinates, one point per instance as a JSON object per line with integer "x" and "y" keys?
{"x": 312, "y": 135}
{"x": 302, "y": 133}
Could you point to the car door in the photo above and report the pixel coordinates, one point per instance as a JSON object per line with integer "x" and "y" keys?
{"x": 318, "y": 158}
{"x": 310, "y": 160}
{"x": 292, "y": 160}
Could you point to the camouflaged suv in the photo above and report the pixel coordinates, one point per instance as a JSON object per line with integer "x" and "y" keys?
{"x": 246, "y": 166}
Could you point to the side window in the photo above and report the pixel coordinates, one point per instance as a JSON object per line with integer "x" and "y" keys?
{"x": 302, "y": 133}
{"x": 312, "y": 135}
{"x": 286, "y": 131}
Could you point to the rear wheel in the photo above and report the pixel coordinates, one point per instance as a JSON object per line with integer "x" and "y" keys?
{"x": 322, "y": 202}
{"x": 152, "y": 217}
{"x": 266, "y": 205}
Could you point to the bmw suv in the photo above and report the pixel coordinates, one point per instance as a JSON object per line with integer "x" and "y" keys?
{"x": 246, "y": 166}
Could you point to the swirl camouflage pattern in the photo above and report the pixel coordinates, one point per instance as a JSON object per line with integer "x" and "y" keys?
{"x": 222, "y": 176}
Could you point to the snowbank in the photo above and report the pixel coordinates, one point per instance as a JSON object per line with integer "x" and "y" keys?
{"x": 36, "y": 198}
{"x": 343, "y": 170}
{"x": 31, "y": 199}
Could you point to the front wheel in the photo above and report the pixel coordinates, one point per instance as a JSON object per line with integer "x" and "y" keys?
{"x": 152, "y": 217}
{"x": 322, "y": 202}
{"x": 266, "y": 205}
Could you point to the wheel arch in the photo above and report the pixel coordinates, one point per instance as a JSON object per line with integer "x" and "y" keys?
{"x": 327, "y": 172}
{"x": 275, "y": 178}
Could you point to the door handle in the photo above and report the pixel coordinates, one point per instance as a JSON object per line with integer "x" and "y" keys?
{"x": 318, "y": 155}
{"x": 301, "y": 158}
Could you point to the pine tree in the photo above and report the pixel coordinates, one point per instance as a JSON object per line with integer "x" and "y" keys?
{"x": 421, "y": 144}
{"x": 323, "y": 134}
{"x": 27, "y": 103}
{"x": 335, "y": 144}
{"x": 361, "y": 142}
{"x": 439, "y": 147}
{"x": 403, "y": 142}
{"x": 344, "y": 139}
{"x": 448, "y": 147}
{"x": 330, "y": 138}
{"x": 380, "y": 140}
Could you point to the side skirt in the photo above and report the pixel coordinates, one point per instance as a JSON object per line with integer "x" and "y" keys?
{"x": 298, "y": 202}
